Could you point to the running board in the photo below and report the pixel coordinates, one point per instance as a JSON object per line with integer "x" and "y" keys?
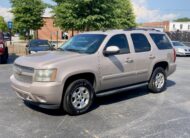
{"x": 119, "y": 90}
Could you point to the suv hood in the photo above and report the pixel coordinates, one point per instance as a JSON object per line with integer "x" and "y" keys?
{"x": 46, "y": 58}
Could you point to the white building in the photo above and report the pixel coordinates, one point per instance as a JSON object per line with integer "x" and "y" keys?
{"x": 181, "y": 26}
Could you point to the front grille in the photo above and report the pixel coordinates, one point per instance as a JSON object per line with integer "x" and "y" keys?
{"x": 23, "y": 74}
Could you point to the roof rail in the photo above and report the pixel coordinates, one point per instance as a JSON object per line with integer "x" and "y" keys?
{"x": 142, "y": 29}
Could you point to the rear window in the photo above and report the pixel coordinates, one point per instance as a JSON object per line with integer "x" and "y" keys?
{"x": 178, "y": 44}
{"x": 35, "y": 43}
{"x": 161, "y": 41}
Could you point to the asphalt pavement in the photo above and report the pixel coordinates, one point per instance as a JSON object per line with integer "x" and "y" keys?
{"x": 132, "y": 114}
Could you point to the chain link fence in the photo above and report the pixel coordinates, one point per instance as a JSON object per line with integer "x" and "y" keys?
{"x": 179, "y": 36}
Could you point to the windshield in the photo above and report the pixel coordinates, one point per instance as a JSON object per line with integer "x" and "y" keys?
{"x": 37, "y": 43}
{"x": 178, "y": 44}
{"x": 84, "y": 43}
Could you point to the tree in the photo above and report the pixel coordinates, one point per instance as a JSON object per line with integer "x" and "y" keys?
{"x": 27, "y": 15}
{"x": 3, "y": 25}
{"x": 185, "y": 19}
{"x": 94, "y": 14}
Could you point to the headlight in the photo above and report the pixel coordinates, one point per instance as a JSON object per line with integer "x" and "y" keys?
{"x": 46, "y": 75}
{"x": 33, "y": 52}
{"x": 181, "y": 50}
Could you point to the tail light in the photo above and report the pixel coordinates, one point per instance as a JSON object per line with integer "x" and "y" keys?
{"x": 174, "y": 55}
{"x": 1, "y": 48}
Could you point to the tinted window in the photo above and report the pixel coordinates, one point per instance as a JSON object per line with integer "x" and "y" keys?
{"x": 35, "y": 43}
{"x": 121, "y": 42}
{"x": 161, "y": 41}
{"x": 84, "y": 43}
{"x": 141, "y": 43}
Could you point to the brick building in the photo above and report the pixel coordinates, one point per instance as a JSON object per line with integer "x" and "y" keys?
{"x": 169, "y": 26}
{"x": 50, "y": 32}
{"x": 165, "y": 25}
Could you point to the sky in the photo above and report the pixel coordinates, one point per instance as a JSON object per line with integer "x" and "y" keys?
{"x": 145, "y": 10}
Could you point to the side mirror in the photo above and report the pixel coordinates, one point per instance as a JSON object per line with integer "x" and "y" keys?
{"x": 111, "y": 50}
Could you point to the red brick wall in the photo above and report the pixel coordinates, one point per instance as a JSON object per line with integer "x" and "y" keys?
{"x": 164, "y": 24}
{"x": 49, "y": 31}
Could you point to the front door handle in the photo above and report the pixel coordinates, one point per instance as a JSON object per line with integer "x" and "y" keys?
{"x": 152, "y": 57}
{"x": 129, "y": 60}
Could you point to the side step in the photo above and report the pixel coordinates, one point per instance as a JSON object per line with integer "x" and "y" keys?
{"x": 110, "y": 92}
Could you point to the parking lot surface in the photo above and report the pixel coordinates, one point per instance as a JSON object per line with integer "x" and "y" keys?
{"x": 136, "y": 113}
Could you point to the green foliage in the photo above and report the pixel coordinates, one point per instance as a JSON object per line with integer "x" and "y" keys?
{"x": 27, "y": 15}
{"x": 94, "y": 14}
{"x": 3, "y": 25}
{"x": 185, "y": 19}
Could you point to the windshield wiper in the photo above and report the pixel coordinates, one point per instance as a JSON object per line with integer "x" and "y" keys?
{"x": 60, "y": 49}
{"x": 73, "y": 50}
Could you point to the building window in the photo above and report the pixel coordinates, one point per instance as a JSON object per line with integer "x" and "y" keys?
{"x": 188, "y": 27}
{"x": 173, "y": 26}
{"x": 181, "y": 26}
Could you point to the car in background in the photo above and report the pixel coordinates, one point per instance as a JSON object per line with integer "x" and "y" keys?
{"x": 4, "y": 54}
{"x": 181, "y": 49}
{"x": 37, "y": 45}
{"x": 7, "y": 36}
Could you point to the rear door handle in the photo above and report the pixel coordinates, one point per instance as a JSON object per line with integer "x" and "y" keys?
{"x": 129, "y": 60}
{"x": 152, "y": 57}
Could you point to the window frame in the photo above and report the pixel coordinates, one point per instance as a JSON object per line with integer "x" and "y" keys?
{"x": 126, "y": 41}
{"x": 145, "y": 37}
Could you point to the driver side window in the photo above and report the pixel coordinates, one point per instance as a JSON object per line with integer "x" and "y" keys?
{"x": 121, "y": 42}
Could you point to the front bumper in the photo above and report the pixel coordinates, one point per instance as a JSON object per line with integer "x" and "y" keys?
{"x": 183, "y": 53}
{"x": 43, "y": 94}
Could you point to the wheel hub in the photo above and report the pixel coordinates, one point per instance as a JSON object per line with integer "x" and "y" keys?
{"x": 159, "y": 80}
{"x": 80, "y": 98}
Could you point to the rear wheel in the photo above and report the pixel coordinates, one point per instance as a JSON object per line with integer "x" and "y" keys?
{"x": 3, "y": 59}
{"x": 157, "y": 81}
{"x": 6, "y": 54}
{"x": 78, "y": 97}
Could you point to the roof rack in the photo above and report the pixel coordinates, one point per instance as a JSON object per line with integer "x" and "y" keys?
{"x": 142, "y": 29}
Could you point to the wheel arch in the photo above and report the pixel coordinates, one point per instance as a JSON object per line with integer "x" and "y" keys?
{"x": 162, "y": 64}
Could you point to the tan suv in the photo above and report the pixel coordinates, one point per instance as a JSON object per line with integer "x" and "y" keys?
{"x": 94, "y": 64}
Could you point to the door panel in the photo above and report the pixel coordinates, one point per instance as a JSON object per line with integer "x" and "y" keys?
{"x": 117, "y": 70}
{"x": 143, "y": 56}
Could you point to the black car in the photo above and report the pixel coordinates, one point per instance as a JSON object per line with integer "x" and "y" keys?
{"x": 7, "y": 36}
{"x": 35, "y": 46}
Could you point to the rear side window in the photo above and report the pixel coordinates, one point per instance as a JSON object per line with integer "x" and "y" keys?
{"x": 120, "y": 41}
{"x": 140, "y": 43}
{"x": 161, "y": 41}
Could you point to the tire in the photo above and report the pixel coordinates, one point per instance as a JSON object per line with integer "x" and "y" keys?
{"x": 157, "y": 85}
{"x": 3, "y": 59}
{"x": 78, "y": 97}
{"x": 6, "y": 54}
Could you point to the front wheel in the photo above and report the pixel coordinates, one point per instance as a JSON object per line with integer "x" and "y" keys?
{"x": 78, "y": 97}
{"x": 157, "y": 81}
